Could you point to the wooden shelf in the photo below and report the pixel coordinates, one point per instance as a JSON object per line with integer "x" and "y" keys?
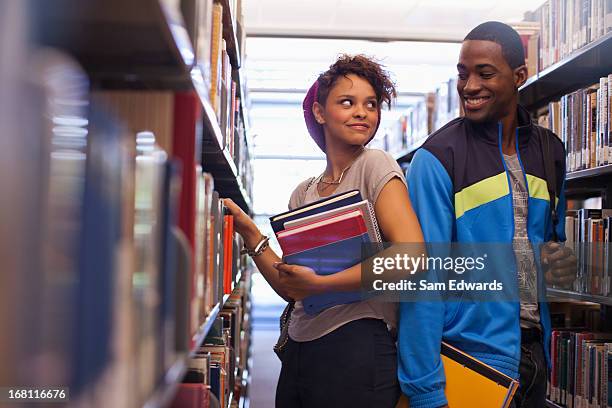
{"x": 582, "y": 68}
{"x": 585, "y": 297}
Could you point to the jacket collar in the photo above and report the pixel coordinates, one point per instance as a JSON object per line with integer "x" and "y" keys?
{"x": 489, "y": 131}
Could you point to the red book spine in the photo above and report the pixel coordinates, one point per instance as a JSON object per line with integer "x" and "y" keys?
{"x": 554, "y": 345}
{"x": 187, "y": 111}
{"x": 228, "y": 250}
{"x": 323, "y": 235}
{"x": 190, "y": 396}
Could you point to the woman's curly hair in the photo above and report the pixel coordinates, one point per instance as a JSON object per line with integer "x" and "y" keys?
{"x": 363, "y": 67}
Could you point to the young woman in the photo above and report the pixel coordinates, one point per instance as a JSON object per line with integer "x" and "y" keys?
{"x": 345, "y": 356}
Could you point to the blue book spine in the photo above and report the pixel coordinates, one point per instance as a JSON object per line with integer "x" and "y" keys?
{"x": 327, "y": 260}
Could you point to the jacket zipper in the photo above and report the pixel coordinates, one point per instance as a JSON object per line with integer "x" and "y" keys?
{"x": 501, "y": 155}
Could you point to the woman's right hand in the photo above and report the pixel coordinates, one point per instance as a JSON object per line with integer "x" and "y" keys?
{"x": 243, "y": 224}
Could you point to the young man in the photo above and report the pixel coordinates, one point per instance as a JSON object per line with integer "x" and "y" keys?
{"x": 481, "y": 178}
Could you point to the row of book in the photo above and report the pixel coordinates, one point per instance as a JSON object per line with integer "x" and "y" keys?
{"x": 215, "y": 371}
{"x": 529, "y": 33}
{"x": 226, "y": 94}
{"x": 409, "y": 130}
{"x": 447, "y": 105}
{"x": 588, "y": 232}
{"x": 218, "y": 261}
{"x": 423, "y": 118}
{"x": 582, "y": 120}
{"x": 209, "y": 26}
{"x": 581, "y": 374}
{"x": 568, "y": 25}
{"x": 103, "y": 235}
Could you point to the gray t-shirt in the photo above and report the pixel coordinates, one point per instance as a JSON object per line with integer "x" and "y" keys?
{"x": 523, "y": 250}
{"x": 368, "y": 174}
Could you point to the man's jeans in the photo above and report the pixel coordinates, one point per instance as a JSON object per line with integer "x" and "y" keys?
{"x": 533, "y": 371}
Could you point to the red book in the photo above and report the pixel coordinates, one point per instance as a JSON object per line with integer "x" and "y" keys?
{"x": 228, "y": 253}
{"x": 187, "y": 112}
{"x": 554, "y": 351}
{"x": 191, "y": 396}
{"x": 322, "y": 232}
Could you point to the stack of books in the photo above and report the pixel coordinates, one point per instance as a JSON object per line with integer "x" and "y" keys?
{"x": 329, "y": 235}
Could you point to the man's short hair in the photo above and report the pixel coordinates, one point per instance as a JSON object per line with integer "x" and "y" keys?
{"x": 505, "y": 36}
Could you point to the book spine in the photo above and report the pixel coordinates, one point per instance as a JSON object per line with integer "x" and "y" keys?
{"x": 608, "y": 113}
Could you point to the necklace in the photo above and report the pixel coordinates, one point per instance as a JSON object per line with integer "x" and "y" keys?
{"x": 336, "y": 182}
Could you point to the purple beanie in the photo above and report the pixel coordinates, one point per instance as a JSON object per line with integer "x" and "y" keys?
{"x": 315, "y": 128}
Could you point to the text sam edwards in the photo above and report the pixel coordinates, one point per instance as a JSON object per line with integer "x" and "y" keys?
{"x": 451, "y": 285}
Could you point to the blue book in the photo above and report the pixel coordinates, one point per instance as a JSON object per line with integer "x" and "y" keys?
{"x": 327, "y": 260}
{"x": 327, "y": 246}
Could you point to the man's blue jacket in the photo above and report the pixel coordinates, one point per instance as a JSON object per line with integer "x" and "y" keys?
{"x": 461, "y": 192}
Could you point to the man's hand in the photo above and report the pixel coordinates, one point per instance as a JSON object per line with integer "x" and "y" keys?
{"x": 559, "y": 264}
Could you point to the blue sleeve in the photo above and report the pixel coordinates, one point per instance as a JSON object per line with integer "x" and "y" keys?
{"x": 561, "y": 207}
{"x": 420, "y": 369}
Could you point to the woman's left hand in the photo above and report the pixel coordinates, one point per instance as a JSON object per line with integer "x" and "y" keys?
{"x": 299, "y": 282}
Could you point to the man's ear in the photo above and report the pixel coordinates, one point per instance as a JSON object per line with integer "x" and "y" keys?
{"x": 520, "y": 76}
{"x": 319, "y": 113}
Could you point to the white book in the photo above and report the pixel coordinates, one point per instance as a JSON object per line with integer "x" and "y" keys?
{"x": 599, "y": 154}
{"x": 603, "y": 131}
{"x": 608, "y": 15}
{"x": 609, "y": 117}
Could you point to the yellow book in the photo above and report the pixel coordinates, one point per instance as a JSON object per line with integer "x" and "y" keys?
{"x": 471, "y": 383}
{"x": 215, "y": 56}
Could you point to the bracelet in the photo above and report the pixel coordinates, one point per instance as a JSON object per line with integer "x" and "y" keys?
{"x": 259, "y": 249}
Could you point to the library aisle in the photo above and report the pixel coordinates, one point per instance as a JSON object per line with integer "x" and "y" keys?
{"x": 125, "y": 124}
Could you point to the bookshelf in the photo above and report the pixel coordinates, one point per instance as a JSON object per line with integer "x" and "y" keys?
{"x": 140, "y": 48}
{"x": 580, "y": 69}
{"x": 580, "y": 315}
{"x": 143, "y": 44}
{"x": 164, "y": 393}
